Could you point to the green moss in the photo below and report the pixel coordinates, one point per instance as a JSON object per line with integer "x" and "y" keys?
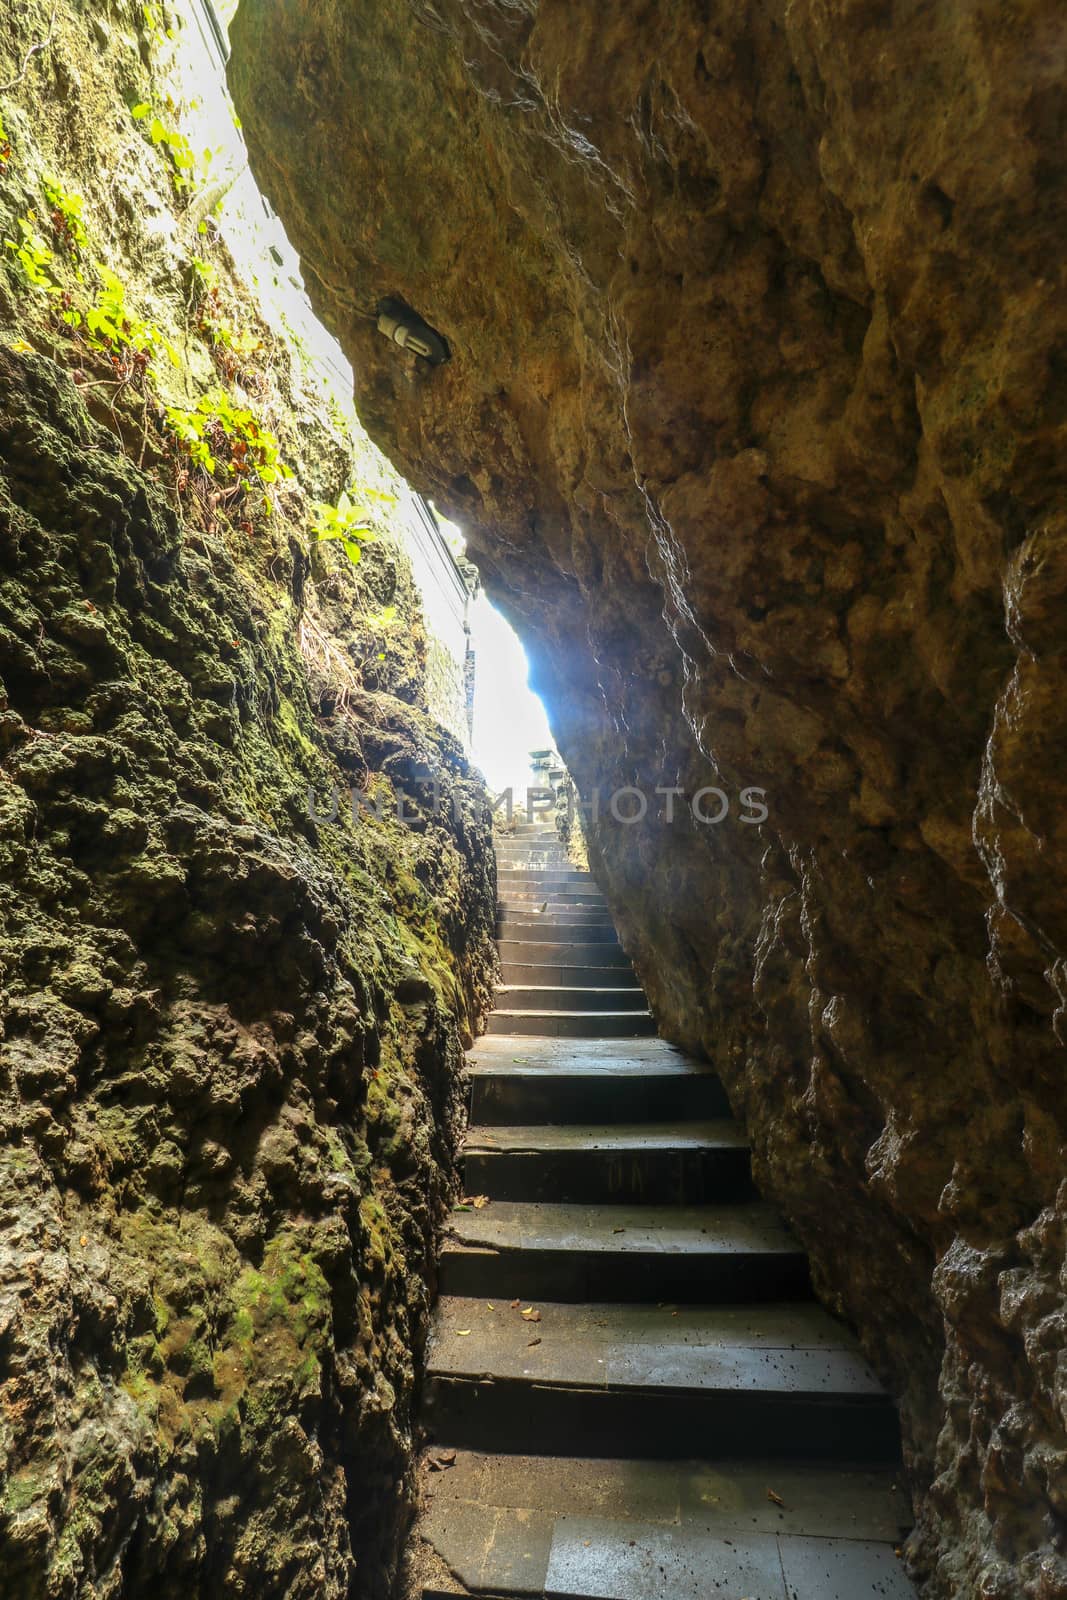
{"x": 289, "y": 1293}
{"x": 162, "y": 1315}
{"x": 199, "y": 1359}
{"x": 139, "y": 1386}
{"x": 290, "y": 724}
{"x": 382, "y": 1241}
{"x": 383, "y": 1111}
{"x": 89, "y": 1509}
{"x": 340, "y": 1160}
{"x": 157, "y": 648}
{"x": 23, "y": 1489}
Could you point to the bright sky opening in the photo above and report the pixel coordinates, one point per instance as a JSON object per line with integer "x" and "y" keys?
{"x": 509, "y": 719}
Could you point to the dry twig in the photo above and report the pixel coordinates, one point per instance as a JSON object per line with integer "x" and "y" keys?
{"x": 34, "y": 50}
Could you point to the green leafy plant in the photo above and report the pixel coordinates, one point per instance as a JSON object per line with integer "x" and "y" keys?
{"x": 155, "y": 26}
{"x": 190, "y": 429}
{"x": 204, "y": 273}
{"x": 112, "y": 326}
{"x": 33, "y": 256}
{"x": 348, "y": 523}
{"x": 67, "y": 210}
{"x": 380, "y": 622}
{"x": 173, "y": 143}
{"x": 216, "y": 425}
{"x": 228, "y": 342}
{"x": 5, "y": 145}
{"x": 338, "y": 420}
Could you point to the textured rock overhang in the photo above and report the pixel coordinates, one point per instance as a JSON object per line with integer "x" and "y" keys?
{"x": 755, "y": 420}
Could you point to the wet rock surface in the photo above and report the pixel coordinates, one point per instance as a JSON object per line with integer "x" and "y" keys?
{"x": 231, "y": 1031}
{"x": 231, "y": 1057}
{"x": 754, "y": 416}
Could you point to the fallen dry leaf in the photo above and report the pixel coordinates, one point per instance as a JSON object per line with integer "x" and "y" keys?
{"x": 532, "y": 1315}
{"x": 462, "y": 1333}
{"x": 778, "y": 1501}
{"x": 532, "y": 1342}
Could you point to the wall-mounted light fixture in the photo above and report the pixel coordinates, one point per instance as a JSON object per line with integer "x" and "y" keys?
{"x": 404, "y": 327}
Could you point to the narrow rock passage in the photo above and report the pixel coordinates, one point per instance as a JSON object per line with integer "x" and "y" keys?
{"x": 630, "y": 1388}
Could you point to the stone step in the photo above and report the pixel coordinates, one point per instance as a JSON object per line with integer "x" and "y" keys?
{"x": 564, "y": 875}
{"x": 548, "y": 909}
{"x": 772, "y": 1381}
{"x": 554, "y": 926}
{"x": 565, "y": 901}
{"x": 535, "y": 845}
{"x": 538, "y": 997}
{"x": 567, "y": 877}
{"x": 540, "y": 847}
{"x": 564, "y": 914}
{"x": 586, "y": 1055}
{"x": 570, "y": 952}
{"x": 658, "y": 1530}
{"x": 573, "y": 1024}
{"x": 640, "y": 1163}
{"x": 512, "y": 1094}
{"x": 567, "y": 977}
{"x": 713, "y": 1254}
{"x": 553, "y": 874}
{"x": 530, "y": 863}
{"x": 559, "y": 899}
{"x": 540, "y": 931}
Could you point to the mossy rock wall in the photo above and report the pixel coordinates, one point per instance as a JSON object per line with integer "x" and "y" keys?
{"x": 231, "y": 1031}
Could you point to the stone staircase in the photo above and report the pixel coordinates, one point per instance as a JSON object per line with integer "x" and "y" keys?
{"x": 630, "y": 1388}
{"x": 565, "y": 976}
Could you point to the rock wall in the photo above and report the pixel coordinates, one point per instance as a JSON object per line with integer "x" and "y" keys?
{"x": 230, "y": 1030}
{"x": 755, "y": 420}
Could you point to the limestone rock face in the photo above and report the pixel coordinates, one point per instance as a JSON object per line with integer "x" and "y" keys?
{"x": 232, "y": 1076}
{"x": 755, "y": 420}
{"x": 231, "y": 1024}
